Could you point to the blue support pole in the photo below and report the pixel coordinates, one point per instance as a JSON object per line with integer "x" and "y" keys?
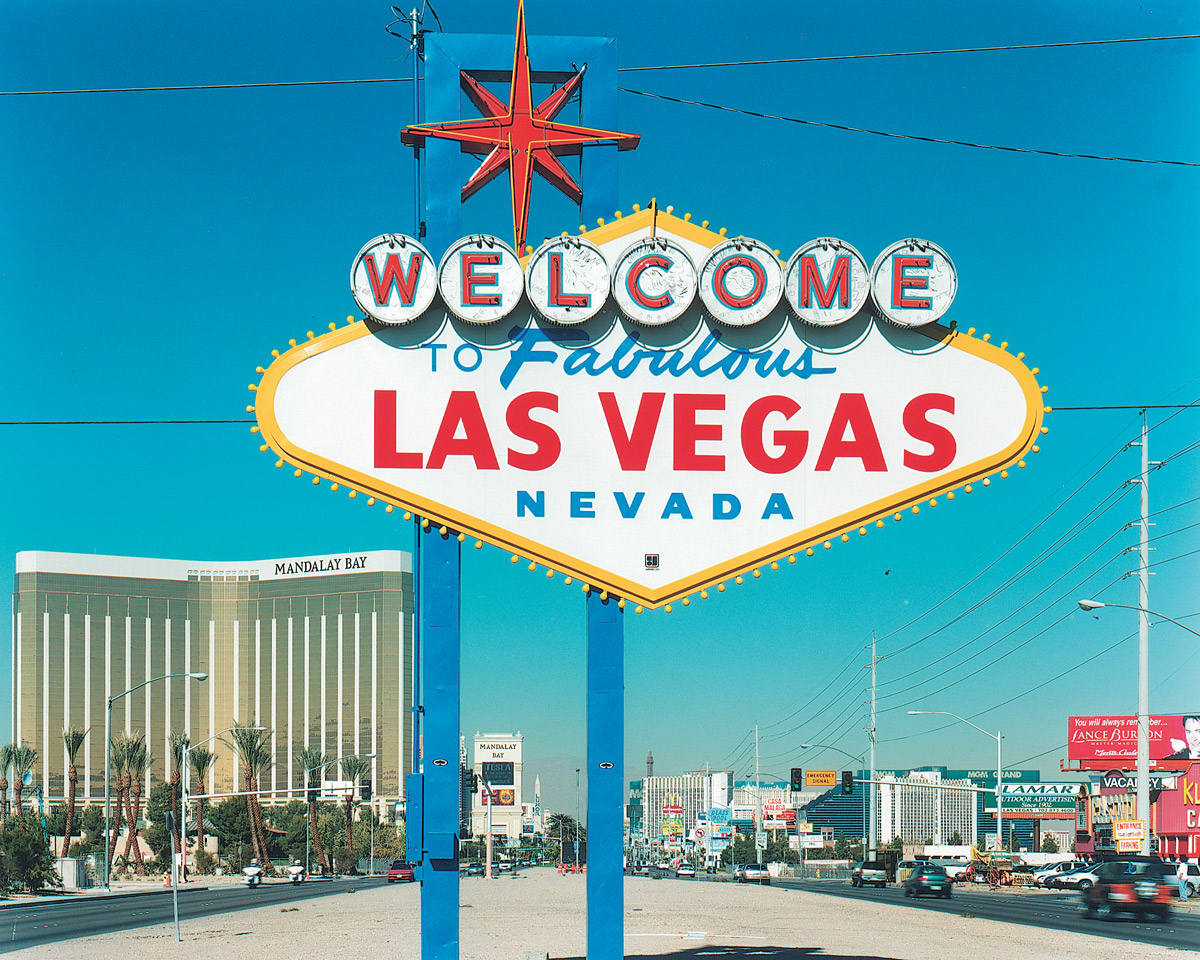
{"x": 440, "y": 577}
{"x": 605, "y": 778}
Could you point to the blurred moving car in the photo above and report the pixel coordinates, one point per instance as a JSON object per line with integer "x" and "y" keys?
{"x": 753, "y": 873}
{"x": 400, "y": 870}
{"x": 1142, "y": 887}
{"x": 685, "y": 870}
{"x": 928, "y": 880}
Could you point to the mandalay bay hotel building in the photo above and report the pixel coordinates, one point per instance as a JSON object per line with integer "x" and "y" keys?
{"x": 316, "y": 649}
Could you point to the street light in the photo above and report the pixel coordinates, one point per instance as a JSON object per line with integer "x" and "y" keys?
{"x": 200, "y": 826}
{"x": 308, "y": 820}
{"x": 1143, "y": 740}
{"x": 862, "y": 760}
{"x": 108, "y": 760}
{"x": 998, "y": 737}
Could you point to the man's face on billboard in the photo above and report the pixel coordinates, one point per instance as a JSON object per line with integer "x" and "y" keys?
{"x": 1191, "y": 730}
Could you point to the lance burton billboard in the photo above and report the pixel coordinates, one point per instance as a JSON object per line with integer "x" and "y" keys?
{"x": 652, "y": 407}
{"x": 1108, "y": 743}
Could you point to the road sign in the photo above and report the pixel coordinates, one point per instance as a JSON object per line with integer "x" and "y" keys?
{"x": 820, "y": 778}
{"x": 1129, "y": 830}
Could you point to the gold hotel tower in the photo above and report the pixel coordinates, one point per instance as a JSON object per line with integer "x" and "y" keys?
{"x": 317, "y": 649}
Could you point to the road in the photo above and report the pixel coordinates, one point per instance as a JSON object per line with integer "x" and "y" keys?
{"x": 51, "y": 921}
{"x": 1056, "y": 911}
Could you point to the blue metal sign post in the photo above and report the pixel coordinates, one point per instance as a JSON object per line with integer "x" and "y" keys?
{"x": 439, "y": 783}
{"x": 605, "y": 778}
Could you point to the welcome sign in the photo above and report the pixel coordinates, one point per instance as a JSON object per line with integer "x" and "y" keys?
{"x": 706, "y": 410}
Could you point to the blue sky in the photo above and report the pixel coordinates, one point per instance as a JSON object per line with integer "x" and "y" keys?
{"x": 157, "y": 245}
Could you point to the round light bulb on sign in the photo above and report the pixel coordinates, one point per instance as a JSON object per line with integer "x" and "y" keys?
{"x": 480, "y": 279}
{"x": 393, "y": 279}
{"x": 913, "y": 282}
{"x": 654, "y": 281}
{"x": 741, "y": 281}
{"x": 827, "y": 282}
{"x": 566, "y": 279}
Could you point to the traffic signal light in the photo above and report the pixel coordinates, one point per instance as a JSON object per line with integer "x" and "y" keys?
{"x": 364, "y": 791}
{"x": 797, "y": 778}
{"x": 474, "y": 782}
{"x": 847, "y": 782}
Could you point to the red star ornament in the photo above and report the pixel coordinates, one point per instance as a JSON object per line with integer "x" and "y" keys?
{"x": 521, "y": 137}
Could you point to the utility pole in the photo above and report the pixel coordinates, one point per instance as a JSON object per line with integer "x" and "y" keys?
{"x": 873, "y": 829}
{"x": 1143, "y": 727}
{"x": 757, "y": 797}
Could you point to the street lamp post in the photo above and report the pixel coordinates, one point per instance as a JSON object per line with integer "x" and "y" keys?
{"x": 308, "y": 819}
{"x": 1143, "y": 732}
{"x": 108, "y": 759}
{"x": 183, "y": 779}
{"x": 998, "y": 737}
{"x": 860, "y": 759}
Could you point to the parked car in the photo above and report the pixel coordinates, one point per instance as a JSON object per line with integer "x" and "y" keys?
{"x": 643, "y": 867}
{"x": 1042, "y": 874}
{"x": 685, "y": 870}
{"x": 928, "y": 880}
{"x": 753, "y": 873}
{"x": 504, "y": 866}
{"x": 872, "y": 872}
{"x": 904, "y": 870}
{"x": 400, "y": 870}
{"x": 954, "y": 866}
{"x": 1081, "y": 878}
{"x": 1141, "y": 887}
{"x": 663, "y": 865}
{"x": 475, "y": 869}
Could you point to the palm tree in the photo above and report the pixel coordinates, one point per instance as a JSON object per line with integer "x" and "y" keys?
{"x": 138, "y": 760}
{"x": 6, "y": 757}
{"x": 177, "y": 745}
{"x": 200, "y": 760}
{"x": 23, "y": 759}
{"x": 248, "y": 740}
{"x": 118, "y": 750}
{"x": 260, "y": 761}
{"x": 311, "y": 760}
{"x": 73, "y": 739}
{"x": 352, "y": 769}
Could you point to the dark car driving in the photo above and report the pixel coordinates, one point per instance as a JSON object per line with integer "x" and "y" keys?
{"x": 1141, "y": 887}
{"x": 928, "y": 880}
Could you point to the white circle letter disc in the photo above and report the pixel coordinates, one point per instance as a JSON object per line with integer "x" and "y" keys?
{"x": 913, "y": 282}
{"x": 567, "y": 279}
{"x": 393, "y": 279}
{"x": 481, "y": 279}
{"x": 654, "y": 281}
{"x": 826, "y": 281}
{"x": 741, "y": 282}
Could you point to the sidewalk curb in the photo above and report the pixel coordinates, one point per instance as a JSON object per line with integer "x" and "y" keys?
{"x": 72, "y": 898}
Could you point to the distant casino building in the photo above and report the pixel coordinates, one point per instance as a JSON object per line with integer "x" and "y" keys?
{"x": 914, "y": 808}
{"x": 316, "y": 649}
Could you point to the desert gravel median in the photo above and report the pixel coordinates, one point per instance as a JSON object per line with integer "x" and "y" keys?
{"x": 541, "y": 912}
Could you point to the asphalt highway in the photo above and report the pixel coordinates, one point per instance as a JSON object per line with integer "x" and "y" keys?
{"x": 1056, "y": 911}
{"x": 25, "y": 924}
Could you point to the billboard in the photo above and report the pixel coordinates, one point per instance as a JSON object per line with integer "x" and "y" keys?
{"x": 497, "y": 798}
{"x": 652, "y": 408}
{"x": 497, "y": 773}
{"x": 1107, "y": 743}
{"x": 1035, "y": 800}
{"x": 1178, "y": 811}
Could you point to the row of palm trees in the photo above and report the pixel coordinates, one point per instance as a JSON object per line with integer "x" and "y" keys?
{"x": 131, "y": 757}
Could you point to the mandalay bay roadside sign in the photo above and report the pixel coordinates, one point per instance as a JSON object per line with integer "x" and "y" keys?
{"x": 651, "y": 407}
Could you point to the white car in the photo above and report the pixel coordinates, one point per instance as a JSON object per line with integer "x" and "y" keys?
{"x": 685, "y": 870}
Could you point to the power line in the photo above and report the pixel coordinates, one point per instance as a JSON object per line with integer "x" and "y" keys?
{"x": 95, "y": 423}
{"x": 906, "y": 136}
{"x": 906, "y": 53}
{"x": 202, "y": 86}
